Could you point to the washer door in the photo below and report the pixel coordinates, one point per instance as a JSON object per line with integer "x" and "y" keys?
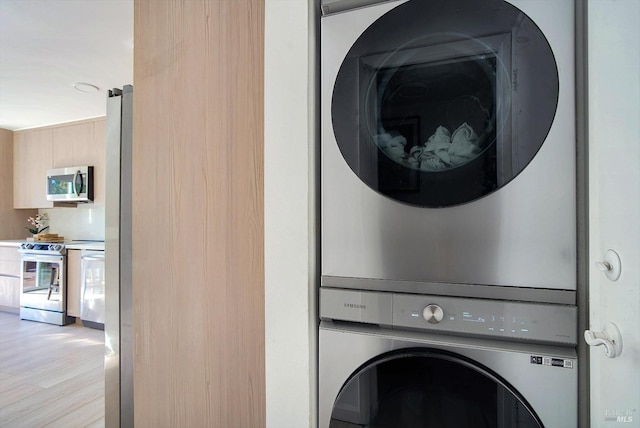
{"x": 442, "y": 102}
{"x": 429, "y": 388}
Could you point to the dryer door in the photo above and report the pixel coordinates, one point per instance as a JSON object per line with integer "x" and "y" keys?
{"x": 442, "y": 102}
{"x": 429, "y": 388}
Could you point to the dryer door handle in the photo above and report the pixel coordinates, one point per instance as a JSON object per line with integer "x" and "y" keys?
{"x": 610, "y": 338}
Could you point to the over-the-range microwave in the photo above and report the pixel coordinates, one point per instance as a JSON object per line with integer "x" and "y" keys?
{"x": 73, "y": 184}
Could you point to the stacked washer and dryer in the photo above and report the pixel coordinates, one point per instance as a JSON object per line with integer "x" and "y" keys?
{"x": 448, "y": 183}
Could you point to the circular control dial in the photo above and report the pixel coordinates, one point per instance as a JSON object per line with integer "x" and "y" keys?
{"x": 433, "y": 314}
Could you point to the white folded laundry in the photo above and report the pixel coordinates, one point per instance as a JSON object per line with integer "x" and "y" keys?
{"x": 464, "y": 145}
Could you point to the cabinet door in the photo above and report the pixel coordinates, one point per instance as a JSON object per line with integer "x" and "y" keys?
{"x": 9, "y": 292}
{"x": 33, "y": 156}
{"x": 72, "y": 145}
{"x": 74, "y": 282}
{"x": 99, "y": 155}
{"x": 82, "y": 144}
{"x": 9, "y": 278}
{"x": 20, "y": 170}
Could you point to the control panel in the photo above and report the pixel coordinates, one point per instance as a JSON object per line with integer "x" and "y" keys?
{"x": 536, "y": 322}
{"x": 41, "y": 248}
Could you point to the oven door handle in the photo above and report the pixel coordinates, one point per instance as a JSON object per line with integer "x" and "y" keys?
{"x": 41, "y": 258}
{"x": 7, "y": 275}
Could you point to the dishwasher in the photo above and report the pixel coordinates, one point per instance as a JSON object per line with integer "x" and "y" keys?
{"x": 93, "y": 289}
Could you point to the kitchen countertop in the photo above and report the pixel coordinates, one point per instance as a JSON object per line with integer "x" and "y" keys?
{"x": 71, "y": 245}
{"x": 77, "y": 245}
{"x": 11, "y": 242}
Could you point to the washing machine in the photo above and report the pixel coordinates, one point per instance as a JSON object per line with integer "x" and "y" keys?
{"x": 448, "y": 148}
{"x": 390, "y": 360}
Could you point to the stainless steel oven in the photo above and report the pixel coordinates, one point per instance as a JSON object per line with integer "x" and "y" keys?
{"x": 43, "y": 294}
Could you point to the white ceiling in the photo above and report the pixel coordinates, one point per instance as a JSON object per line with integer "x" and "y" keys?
{"x": 48, "y": 45}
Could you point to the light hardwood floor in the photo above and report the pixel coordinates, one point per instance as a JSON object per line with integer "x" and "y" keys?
{"x": 50, "y": 376}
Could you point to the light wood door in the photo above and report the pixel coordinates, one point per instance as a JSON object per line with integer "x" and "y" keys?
{"x": 33, "y": 156}
{"x": 198, "y": 231}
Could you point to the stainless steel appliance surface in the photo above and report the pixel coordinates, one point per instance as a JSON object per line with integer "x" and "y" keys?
{"x": 448, "y": 148}
{"x": 92, "y": 305}
{"x": 72, "y": 184}
{"x": 118, "y": 324}
{"x": 43, "y": 294}
{"x": 392, "y": 359}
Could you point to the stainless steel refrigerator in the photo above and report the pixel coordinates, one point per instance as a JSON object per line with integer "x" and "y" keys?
{"x": 118, "y": 260}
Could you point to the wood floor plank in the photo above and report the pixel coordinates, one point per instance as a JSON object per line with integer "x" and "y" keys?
{"x": 13, "y": 390}
{"x": 50, "y": 376}
{"x": 83, "y": 416}
{"x": 98, "y": 423}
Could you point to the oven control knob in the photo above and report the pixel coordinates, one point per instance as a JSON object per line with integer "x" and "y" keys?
{"x": 433, "y": 314}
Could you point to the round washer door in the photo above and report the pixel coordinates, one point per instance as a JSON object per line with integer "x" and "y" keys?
{"x": 441, "y": 102}
{"x": 429, "y": 388}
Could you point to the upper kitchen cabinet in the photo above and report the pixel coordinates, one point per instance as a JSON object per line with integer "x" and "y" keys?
{"x": 72, "y": 145}
{"x": 98, "y": 154}
{"x": 79, "y": 144}
{"x": 32, "y": 157}
{"x": 59, "y": 146}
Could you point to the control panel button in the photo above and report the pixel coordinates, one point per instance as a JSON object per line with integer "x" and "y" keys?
{"x": 433, "y": 314}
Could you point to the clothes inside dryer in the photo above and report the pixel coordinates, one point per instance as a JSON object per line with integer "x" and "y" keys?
{"x": 429, "y": 388}
{"x": 436, "y": 104}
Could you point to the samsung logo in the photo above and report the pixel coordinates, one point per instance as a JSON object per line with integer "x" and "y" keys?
{"x": 355, "y": 306}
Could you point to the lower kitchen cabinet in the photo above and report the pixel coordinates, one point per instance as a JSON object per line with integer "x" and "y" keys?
{"x": 9, "y": 279}
{"x": 74, "y": 282}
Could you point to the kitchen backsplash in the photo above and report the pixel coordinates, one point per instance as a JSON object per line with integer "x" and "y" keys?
{"x": 83, "y": 222}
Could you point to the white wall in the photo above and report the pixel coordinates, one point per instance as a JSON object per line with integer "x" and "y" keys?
{"x": 290, "y": 288}
{"x": 614, "y": 204}
{"x": 83, "y": 222}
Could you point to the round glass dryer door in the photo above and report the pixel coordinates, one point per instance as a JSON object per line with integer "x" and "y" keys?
{"x": 423, "y": 388}
{"x": 441, "y": 102}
